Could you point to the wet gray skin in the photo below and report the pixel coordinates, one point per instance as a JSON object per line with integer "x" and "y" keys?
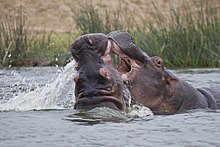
{"x": 97, "y": 83}
{"x": 152, "y": 85}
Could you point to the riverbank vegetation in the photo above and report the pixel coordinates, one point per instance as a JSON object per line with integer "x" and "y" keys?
{"x": 21, "y": 45}
{"x": 185, "y": 36}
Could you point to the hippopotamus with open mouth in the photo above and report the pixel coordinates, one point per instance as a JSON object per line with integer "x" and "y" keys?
{"x": 152, "y": 85}
{"x": 97, "y": 83}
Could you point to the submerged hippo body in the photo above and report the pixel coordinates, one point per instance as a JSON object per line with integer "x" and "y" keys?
{"x": 152, "y": 85}
{"x": 97, "y": 84}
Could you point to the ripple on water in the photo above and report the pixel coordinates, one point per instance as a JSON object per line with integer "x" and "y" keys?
{"x": 51, "y": 127}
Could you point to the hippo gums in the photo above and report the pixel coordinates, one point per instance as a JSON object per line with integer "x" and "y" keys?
{"x": 152, "y": 85}
{"x": 97, "y": 84}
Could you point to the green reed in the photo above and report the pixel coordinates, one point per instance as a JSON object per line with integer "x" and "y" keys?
{"x": 90, "y": 19}
{"x": 21, "y": 45}
{"x": 189, "y": 39}
{"x": 13, "y": 37}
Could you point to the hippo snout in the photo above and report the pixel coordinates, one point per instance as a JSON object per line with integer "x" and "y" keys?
{"x": 97, "y": 84}
{"x": 97, "y": 87}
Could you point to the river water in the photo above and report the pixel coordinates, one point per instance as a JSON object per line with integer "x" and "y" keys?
{"x": 36, "y": 109}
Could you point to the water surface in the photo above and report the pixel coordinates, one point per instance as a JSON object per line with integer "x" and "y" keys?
{"x": 36, "y": 105}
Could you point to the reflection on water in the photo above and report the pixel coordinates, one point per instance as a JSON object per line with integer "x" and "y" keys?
{"x": 49, "y": 88}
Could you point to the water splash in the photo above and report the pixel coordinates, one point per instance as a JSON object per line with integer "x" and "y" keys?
{"x": 127, "y": 97}
{"x": 46, "y": 97}
{"x": 98, "y": 115}
{"x": 104, "y": 114}
{"x": 138, "y": 111}
{"x": 59, "y": 95}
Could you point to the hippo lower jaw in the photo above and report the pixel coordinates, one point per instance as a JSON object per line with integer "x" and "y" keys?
{"x": 88, "y": 103}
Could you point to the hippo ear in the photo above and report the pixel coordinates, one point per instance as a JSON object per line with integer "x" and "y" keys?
{"x": 169, "y": 78}
{"x": 171, "y": 81}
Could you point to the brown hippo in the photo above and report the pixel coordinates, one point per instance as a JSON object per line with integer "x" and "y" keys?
{"x": 152, "y": 85}
{"x": 97, "y": 83}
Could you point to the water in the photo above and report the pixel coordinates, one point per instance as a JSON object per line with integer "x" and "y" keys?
{"x": 37, "y": 88}
{"x": 36, "y": 105}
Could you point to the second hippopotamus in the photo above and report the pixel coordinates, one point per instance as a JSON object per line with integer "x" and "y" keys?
{"x": 152, "y": 85}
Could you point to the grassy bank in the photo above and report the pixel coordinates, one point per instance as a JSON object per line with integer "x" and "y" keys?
{"x": 21, "y": 45}
{"x": 186, "y": 36}
{"x": 188, "y": 39}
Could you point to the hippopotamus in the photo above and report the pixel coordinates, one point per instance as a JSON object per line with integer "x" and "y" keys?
{"x": 97, "y": 83}
{"x": 152, "y": 85}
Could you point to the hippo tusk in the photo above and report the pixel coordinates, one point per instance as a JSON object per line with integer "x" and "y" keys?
{"x": 76, "y": 78}
{"x": 104, "y": 73}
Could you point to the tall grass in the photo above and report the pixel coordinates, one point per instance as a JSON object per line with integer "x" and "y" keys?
{"x": 187, "y": 37}
{"x": 90, "y": 19}
{"x": 21, "y": 45}
{"x": 13, "y": 36}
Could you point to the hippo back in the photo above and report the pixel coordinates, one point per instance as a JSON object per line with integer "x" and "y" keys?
{"x": 212, "y": 95}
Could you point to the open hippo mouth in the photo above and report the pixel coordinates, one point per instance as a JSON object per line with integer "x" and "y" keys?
{"x": 130, "y": 56}
{"x": 125, "y": 65}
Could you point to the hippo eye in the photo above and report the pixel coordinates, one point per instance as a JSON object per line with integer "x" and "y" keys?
{"x": 158, "y": 61}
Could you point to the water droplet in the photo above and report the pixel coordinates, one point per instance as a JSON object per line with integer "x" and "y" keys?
{"x": 9, "y": 65}
{"x": 9, "y": 55}
{"x": 56, "y": 59}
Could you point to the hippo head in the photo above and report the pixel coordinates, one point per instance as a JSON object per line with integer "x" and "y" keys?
{"x": 153, "y": 86}
{"x": 97, "y": 84}
{"x": 149, "y": 82}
